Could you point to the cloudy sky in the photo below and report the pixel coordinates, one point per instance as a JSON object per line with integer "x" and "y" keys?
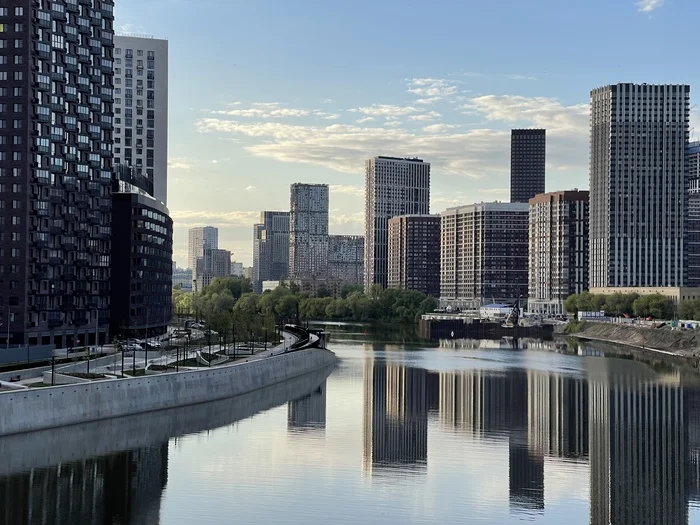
{"x": 264, "y": 93}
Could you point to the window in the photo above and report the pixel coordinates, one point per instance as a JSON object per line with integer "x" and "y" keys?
{"x": 19, "y": 11}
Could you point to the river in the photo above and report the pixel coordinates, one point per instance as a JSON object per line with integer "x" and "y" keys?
{"x": 399, "y": 432}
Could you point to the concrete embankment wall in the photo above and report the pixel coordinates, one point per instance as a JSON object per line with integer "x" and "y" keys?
{"x": 36, "y": 409}
{"x": 683, "y": 342}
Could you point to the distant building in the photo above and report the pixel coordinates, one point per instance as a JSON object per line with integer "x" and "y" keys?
{"x": 141, "y": 108}
{"x": 346, "y": 255}
{"x": 393, "y": 186}
{"x": 308, "y": 231}
{"x": 199, "y": 239}
{"x": 270, "y": 248}
{"x": 142, "y": 258}
{"x": 638, "y": 202}
{"x": 484, "y": 254}
{"x": 248, "y": 272}
{"x": 182, "y": 277}
{"x": 676, "y": 293}
{"x": 558, "y": 249}
{"x": 236, "y": 268}
{"x": 318, "y": 287}
{"x": 269, "y": 285}
{"x": 692, "y": 236}
{"x": 527, "y": 163}
{"x": 215, "y": 263}
{"x": 414, "y": 253}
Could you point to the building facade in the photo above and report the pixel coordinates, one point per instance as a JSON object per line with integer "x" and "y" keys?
{"x": 692, "y": 235}
{"x": 527, "y": 163}
{"x": 558, "y": 240}
{"x": 141, "y": 108}
{"x": 182, "y": 277}
{"x": 270, "y": 248}
{"x": 215, "y": 263}
{"x": 142, "y": 258}
{"x": 393, "y": 186}
{"x": 199, "y": 239}
{"x": 638, "y": 200}
{"x": 414, "y": 253}
{"x": 346, "y": 258}
{"x": 56, "y": 126}
{"x": 484, "y": 254}
{"x": 308, "y": 231}
{"x": 236, "y": 268}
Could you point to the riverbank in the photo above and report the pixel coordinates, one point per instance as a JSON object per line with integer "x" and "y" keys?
{"x": 25, "y": 411}
{"x": 675, "y": 345}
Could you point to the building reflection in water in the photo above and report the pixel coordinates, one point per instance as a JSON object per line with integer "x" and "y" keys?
{"x": 124, "y": 488}
{"x": 395, "y": 419}
{"x": 308, "y": 412}
{"x": 639, "y": 434}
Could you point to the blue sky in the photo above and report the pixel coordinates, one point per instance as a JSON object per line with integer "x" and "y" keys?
{"x": 264, "y": 93}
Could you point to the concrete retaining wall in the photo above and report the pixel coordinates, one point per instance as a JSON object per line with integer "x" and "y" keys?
{"x": 66, "y": 405}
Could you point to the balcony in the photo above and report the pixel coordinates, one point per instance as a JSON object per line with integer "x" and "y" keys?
{"x": 45, "y": 20}
{"x": 55, "y": 323}
{"x": 82, "y": 201}
{"x": 93, "y": 218}
{"x": 69, "y": 244}
{"x": 56, "y": 230}
{"x": 72, "y": 97}
{"x": 55, "y": 261}
{"x": 57, "y": 168}
{"x": 57, "y": 196}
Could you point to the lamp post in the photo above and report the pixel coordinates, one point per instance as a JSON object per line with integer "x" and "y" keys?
{"x": 97, "y": 321}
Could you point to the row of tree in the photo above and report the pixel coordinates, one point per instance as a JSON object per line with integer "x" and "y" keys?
{"x": 632, "y": 304}
{"x": 229, "y": 304}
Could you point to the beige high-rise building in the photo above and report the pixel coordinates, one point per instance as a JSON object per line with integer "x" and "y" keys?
{"x": 558, "y": 253}
{"x": 199, "y": 239}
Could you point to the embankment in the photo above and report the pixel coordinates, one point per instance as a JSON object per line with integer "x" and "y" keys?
{"x": 684, "y": 344}
{"x": 37, "y": 409}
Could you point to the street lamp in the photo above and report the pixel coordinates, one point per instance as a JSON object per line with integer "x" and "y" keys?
{"x": 97, "y": 321}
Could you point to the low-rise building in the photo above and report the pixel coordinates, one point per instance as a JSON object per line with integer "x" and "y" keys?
{"x": 675, "y": 293}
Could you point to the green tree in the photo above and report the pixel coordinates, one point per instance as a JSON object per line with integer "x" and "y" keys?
{"x": 619, "y": 304}
{"x": 571, "y": 304}
{"x": 655, "y": 305}
{"x": 689, "y": 310}
{"x": 348, "y": 289}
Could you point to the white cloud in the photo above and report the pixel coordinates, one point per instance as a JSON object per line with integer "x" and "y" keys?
{"x": 364, "y": 119}
{"x": 325, "y": 115}
{"x": 430, "y": 115}
{"x": 357, "y": 191}
{"x": 385, "y": 110}
{"x": 393, "y": 123}
{"x": 195, "y": 217}
{"x": 520, "y": 77}
{"x": 647, "y": 6}
{"x": 214, "y": 161}
{"x": 352, "y": 218}
{"x": 179, "y": 164}
{"x": 430, "y": 90}
{"x": 265, "y": 110}
{"x": 439, "y": 128}
{"x": 250, "y": 188}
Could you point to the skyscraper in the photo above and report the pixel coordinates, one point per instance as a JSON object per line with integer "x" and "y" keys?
{"x": 692, "y": 234}
{"x": 55, "y": 170}
{"x": 346, "y": 258}
{"x": 393, "y": 186}
{"x": 270, "y": 248}
{"x": 308, "y": 231}
{"x": 558, "y": 253}
{"x": 213, "y": 263}
{"x": 483, "y": 254}
{"x": 199, "y": 239}
{"x": 141, "y": 108}
{"x": 527, "y": 163}
{"x": 414, "y": 253}
{"x": 638, "y": 200}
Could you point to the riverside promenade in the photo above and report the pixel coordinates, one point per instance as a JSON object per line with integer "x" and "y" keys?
{"x": 30, "y": 409}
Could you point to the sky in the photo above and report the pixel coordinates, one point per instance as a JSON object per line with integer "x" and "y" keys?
{"x": 265, "y": 93}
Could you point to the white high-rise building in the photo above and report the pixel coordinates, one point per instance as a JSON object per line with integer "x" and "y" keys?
{"x": 308, "y": 231}
{"x": 638, "y": 170}
{"x": 141, "y": 108}
{"x": 393, "y": 186}
{"x": 200, "y": 239}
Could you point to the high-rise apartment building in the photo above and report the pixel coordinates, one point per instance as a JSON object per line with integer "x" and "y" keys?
{"x": 558, "y": 239}
{"x": 199, "y": 239}
{"x": 214, "y": 263}
{"x": 270, "y": 248}
{"x": 346, "y": 258}
{"x": 142, "y": 257}
{"x": 527, "y": 163}
{"x": 393, "y": 186}
{"x": 414, "y": 253}
{"x": 55, "y": 170}
{"x": 484, "y": 254}
{"x": 141, "y": 108}
{"x": 638, "y": 201}
{"x": 692, "y": 234}
{"x": 308, "y": 231}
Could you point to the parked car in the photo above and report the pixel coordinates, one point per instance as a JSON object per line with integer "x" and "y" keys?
{"x": 152, "y": 345}
{"x": 133, "y": 347}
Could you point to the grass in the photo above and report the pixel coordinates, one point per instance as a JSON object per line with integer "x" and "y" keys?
{"x": 574, "y": 327}
{"x": 139, "y": 372}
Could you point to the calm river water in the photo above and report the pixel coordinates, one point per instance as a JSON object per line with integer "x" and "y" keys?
{"x": 397, "y": 433}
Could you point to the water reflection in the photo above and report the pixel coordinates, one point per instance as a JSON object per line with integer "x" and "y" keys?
{"x": 308, "y": 412}
{"x": 640, "y": 435}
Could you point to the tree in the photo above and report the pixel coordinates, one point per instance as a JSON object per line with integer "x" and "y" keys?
{"x": 348, "y": 289}
{"x": 571, "y": 304}
{"x": 619, "y": 304}
{"x": 689, "y": 310}
{"x": 654, "y": 305}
